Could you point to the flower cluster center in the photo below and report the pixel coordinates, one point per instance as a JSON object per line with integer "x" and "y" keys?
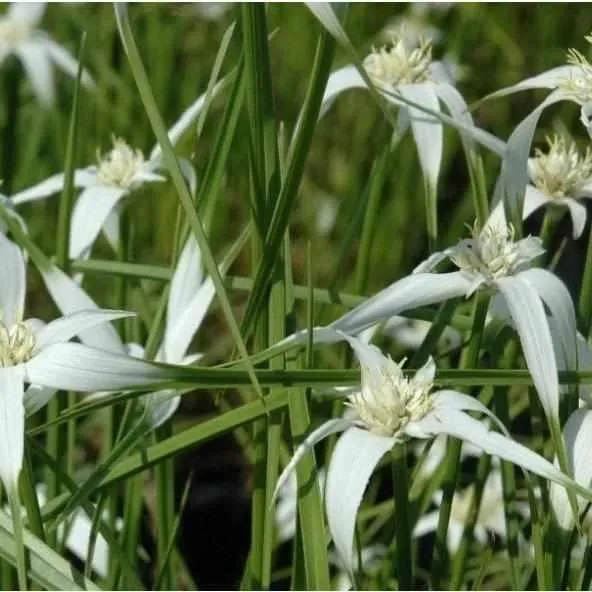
{"x": 388, "y": 401}
{"x": 493, "y": 253}
{"x": 579, "y": 85}
{"x": 400, "y": 64}
{"x": 16, "y": 344}
{"x": 120, "y": 166}
{"x": 560, "y": 172}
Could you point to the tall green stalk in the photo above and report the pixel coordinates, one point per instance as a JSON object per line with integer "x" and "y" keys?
{"x": 404, "y": 549}
{"x": 469, "y": 359}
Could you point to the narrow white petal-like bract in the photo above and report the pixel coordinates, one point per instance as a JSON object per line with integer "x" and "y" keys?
{"x": 427, "y": 130}
{"x": 89, "y": 214}
{"x": 53, "y": 185}
{"x": 13, "y": 284}
{"x": 65, "y": 328}
{"x": 458, "y": 109}
{"x": 37, "y": 64}
{"x": 433, "y": 260}
{"x": 64, "y": 60}
{"x": 187, "y": 119}
{"x": 70, "y": 298}
{"x": 27, "y": 12}
{"x": 462, "y": 426}
{"x": 36, "y": 397}
{"x": 186, "y": 279}
{"x": 72, "y": 366}
{"x": 556, "y": 296}
{"x": 549, "y": 79}
{"x": 449, "y": 399}
{"x": 339, "y": 81}
{"x": 513, "y": 177}
{"x": 578, "y": 442}
{"x": 161, "y": 405}
{"x": 530, "y": 320}
{"x": 329, "y": 427}
{"x": 412, "y": 291}
{"x": 12, "y": 425}
{"x": 148, "y": 176}
{"x": 353, "y": 461}
{"x": 111, "y": 228}
{"x": 578, "y": 214}
{"x": 325, "y": 14}
{"x": 179, "y": 334}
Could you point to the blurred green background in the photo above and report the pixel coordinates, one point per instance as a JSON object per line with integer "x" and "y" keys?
{"x": 495, "y": 45}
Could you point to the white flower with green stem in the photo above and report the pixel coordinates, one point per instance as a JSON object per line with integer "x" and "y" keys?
{"x": 37, "y": 359}
{"x": 560, "y": 178}
{"x": 571, "y": 82}
{"x": 491, "y": 261}
{"x": 388, "y": 410}
{"x": 190, "y": 296}
{"x": 38, "y": 53}
{"x": 405, "y": 72}
{"x": 105, "y": 185}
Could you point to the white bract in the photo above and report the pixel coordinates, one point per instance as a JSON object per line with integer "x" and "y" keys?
{"x": 39, "y": 355}
{"x": 491, "y": 516}
{"x": 571, "y": 82}
{"x": 411, "y": 333}
{"x": 117, "y": 174}
{"x": 405, "y": 71}
{"x": 390, "y": 408}
{"x": 559, "y": 177}
{"x": 37, "y": 52}
{"x": 578, "y": 440}
{"x": 490, "y": 260}
{"x": 190, "y": 297}
{"x": 286, "y": 503}
{"x": 77, "y": 539}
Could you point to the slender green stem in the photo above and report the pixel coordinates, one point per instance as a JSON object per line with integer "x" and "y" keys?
{"x": 298, "y": 152}
{"x": 478, "y": 185}
{"x": 17, "y": 521}
{"x": 460, "y": 559}
{"x": 312, "y": 531}
{"x": 184, "y": 195}
{"x": 431, "y": 212}
{"x": 469, "y": 360}
{"x": 12, "y": 83}
{"x": 164, "y": 477}
{"x": 509, "y": 478}
{"x": 404, "y": 554}
{"x": 378, "y": 178}
{"x": 29, "y": 498}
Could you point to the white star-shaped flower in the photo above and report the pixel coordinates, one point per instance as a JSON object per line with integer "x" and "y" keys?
{"x": 559, "y": 177}
{"x": 37, "y": 52}
{"x": 390, "y": 408}
{"x": 36, "y": 360}
{"x": 405, "y": 70}
{"x": 490, "y": 260}
{"x": 105, "y": 185}
{"x": 571, "y": 82}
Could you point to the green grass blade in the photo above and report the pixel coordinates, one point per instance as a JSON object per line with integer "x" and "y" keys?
{"x": 298, "y": 152}
{"x": 170, "y": 160}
